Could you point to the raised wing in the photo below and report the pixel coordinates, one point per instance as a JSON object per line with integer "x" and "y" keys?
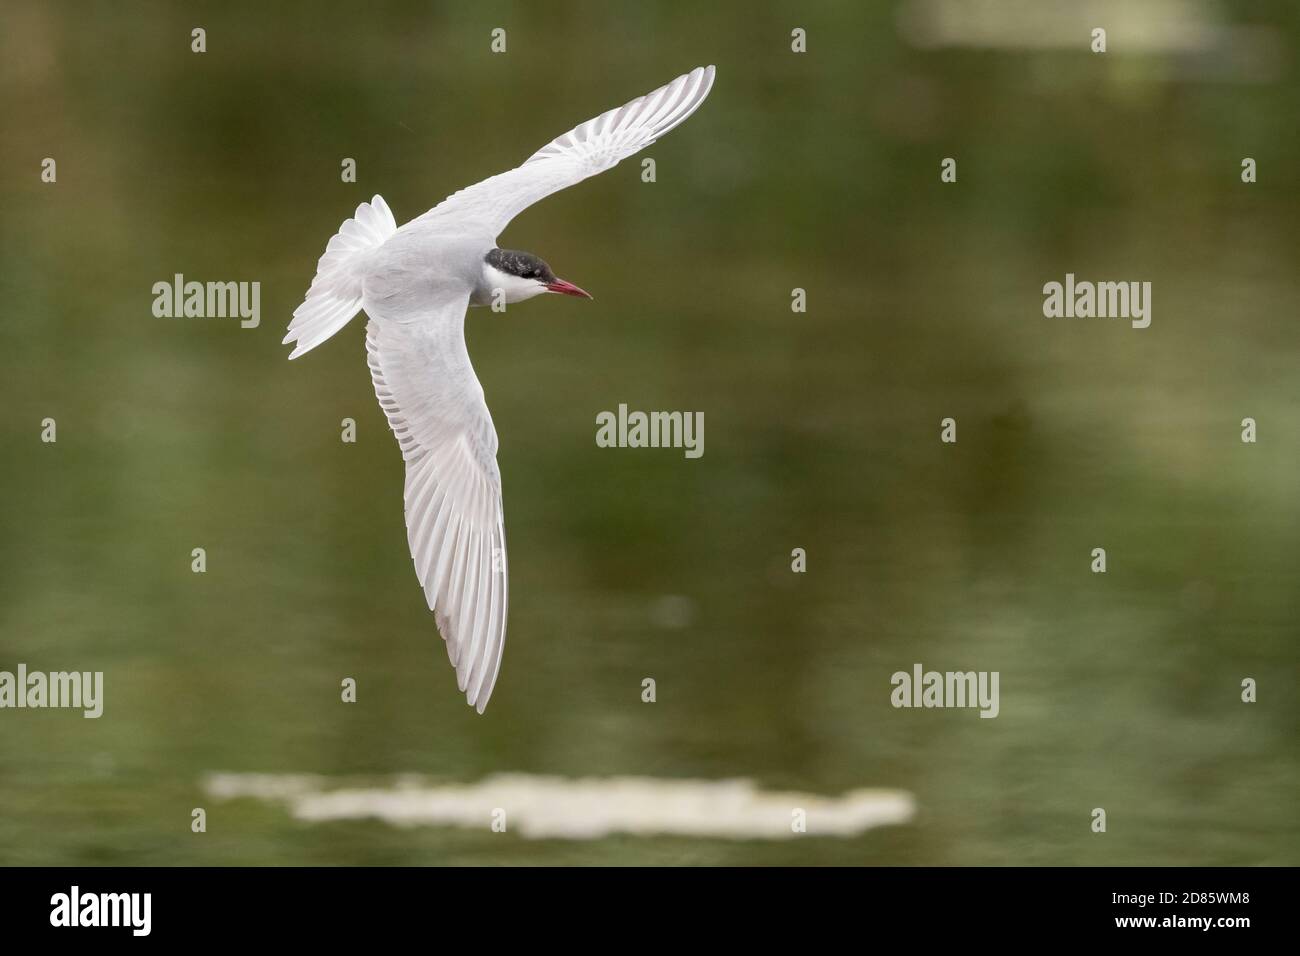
{"x": 583, "y": 151}
{"x": 454, "y": 521}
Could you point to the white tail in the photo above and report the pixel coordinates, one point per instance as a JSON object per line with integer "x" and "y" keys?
{"x": 335, "y": 294}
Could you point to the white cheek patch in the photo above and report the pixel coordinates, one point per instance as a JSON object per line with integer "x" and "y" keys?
{"x": 511, "y": 288}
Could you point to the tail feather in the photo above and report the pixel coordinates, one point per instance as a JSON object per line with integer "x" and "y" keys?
{"x": 335, "y": 294}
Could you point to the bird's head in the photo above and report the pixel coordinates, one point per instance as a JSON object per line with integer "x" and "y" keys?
{"x": 522, "y": 275}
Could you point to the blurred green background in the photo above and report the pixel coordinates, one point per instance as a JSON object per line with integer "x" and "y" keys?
{"x": 816, "y": 170}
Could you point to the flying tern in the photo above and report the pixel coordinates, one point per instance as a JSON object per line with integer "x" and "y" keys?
{"x": 414, "y": 284}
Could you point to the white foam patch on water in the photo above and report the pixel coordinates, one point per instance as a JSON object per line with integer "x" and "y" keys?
{"x": 540, "y": 807}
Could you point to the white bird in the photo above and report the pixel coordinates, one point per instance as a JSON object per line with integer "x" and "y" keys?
{"x": 415, "y": 283}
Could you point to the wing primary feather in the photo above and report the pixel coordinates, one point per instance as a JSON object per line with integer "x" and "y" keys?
{"x": 432, "y": 547}
{"x": 468, "y": 598}
{"x": 455, "y": 591}
{"x": 482, "y": 617}
{"x": 498, "y": 649}
{"x": 492, "y": 650}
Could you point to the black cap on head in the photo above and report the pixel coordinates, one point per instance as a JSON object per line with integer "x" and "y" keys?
{"x": 525, "y": 265}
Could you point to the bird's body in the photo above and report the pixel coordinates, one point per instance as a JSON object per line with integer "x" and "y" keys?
{"x": 415, "y": 284}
